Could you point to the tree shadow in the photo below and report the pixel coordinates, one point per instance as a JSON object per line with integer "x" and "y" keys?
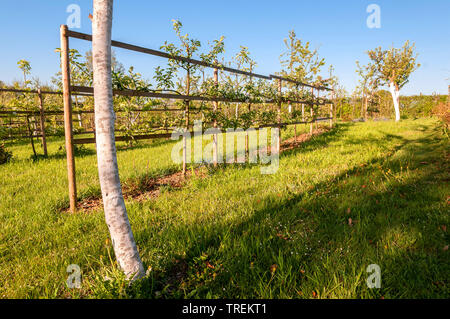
{"x": 321, "y": 140}
{"x": 396, "y": 227}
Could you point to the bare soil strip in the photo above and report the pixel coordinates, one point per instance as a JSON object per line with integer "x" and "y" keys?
{"x": 148, "y": 188}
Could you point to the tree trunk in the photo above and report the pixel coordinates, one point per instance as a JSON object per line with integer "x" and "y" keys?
{"x": 395, "y": 98}
{"x": 366, "y": 103}
{"x": 363, "y": 101}
{"x": 115, "y": 212}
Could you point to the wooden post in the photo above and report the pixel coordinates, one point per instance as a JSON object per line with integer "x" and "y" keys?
{"x": 279, "y": 116}
{"x": 186, "y": 115}
{"x": 30, "y": 133}
{"x": 215, "y": 107}
{"x": 331, "y": 109}
{"x": 317, "y": 124}
{"x": 295, "y": 125}
{"x": 312, "y": 113}
{"x": 247, "y": 146}
{"x": 448, "y": 96}
{"x": 295, "y": 133}
{"x": 65, "y": 71}
{"x": 42, "y": 118}
{"x": 80, "y": 122}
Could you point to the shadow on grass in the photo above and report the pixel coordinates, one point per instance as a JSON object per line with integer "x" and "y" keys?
{"x": 320, "y": 241}
{"x": 321, "y": 140}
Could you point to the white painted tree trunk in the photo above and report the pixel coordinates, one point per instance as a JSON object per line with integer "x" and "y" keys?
{"x": 115, "y": 212}
{"x": 395, "y": 97}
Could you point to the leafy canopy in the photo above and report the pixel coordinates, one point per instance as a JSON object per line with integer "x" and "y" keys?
{"x": 394, "y": 65}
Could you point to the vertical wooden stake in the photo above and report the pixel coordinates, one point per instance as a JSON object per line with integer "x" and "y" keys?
{"x": 317, "y": 124}
{"x": 215, "y": 107}
{"x": 186, "y": 115}
{"x": 80, "y": 121}
{"x": 312, "y": 113}
{"x": 42, "y": 118}
{"x": 30, "y": 133}
{"x": 247, "y": 146}
{"x": 65, "y": 71}
{"x": 279, "y": 116}
{"x": 331, "y": 109}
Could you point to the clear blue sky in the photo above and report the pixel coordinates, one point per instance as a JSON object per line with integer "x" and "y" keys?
{"x": 30, "y": 30}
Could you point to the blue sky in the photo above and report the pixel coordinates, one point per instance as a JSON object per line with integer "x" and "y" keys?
{"x": 30, "y": 30}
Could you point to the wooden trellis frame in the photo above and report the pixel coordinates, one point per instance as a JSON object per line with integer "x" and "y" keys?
{"x": 65, "y": 34}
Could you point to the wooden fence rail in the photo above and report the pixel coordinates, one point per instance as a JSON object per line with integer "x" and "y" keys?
{"x": 68, "y": 90}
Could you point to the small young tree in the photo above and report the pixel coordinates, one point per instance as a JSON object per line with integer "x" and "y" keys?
{"x": 368, "y": 83}
{"x": 300, "y": 62}
{"x": 25, "y": 66}
{"x": 393, "y": 68}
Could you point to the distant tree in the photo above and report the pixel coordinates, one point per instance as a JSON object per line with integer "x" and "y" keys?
{"x": 393, "y": 68}
{"x": 188, "y": 46}
{"x": 368, "y": 84}
{"x": 25, "y": 66}
{"x": 339, "y": 94}
{"x": 116, "y": 65}
{"x": 80, "y": 74}
{"x": 241, "y": 85}
{"x": 299, "y": 61}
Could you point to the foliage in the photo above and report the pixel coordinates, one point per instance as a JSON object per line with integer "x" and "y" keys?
{"x": 368, "y": 84}
{"x": 300, "y": 62}
{"x": 25, "y": 66}
{"x": 5, "y": 155}
{"x": 393, "y": 65}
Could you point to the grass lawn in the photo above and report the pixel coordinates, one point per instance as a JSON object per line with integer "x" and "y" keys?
{"x": 361, "y": 194}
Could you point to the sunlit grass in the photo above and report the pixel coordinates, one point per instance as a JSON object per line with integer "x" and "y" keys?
{"x": 363, "y": 193}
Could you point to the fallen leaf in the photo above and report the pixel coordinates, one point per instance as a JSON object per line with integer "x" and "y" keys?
{"x": 350, "y": 222}
{"x": 209, "y": 265}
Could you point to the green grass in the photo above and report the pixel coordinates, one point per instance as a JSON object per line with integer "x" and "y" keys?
{"x": 238, "y": 233}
